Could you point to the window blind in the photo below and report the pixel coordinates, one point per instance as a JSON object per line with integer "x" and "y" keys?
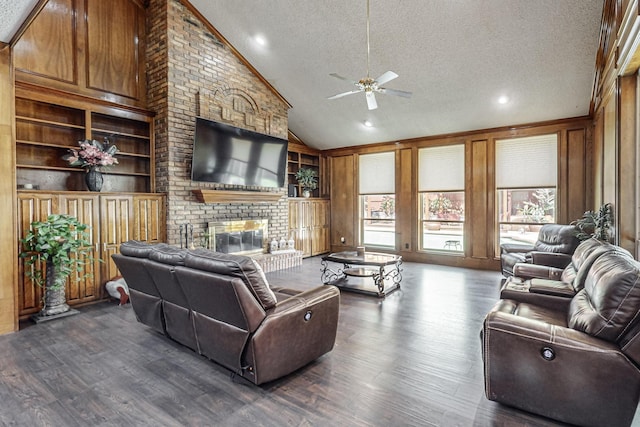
{"x": 441, "y": 168}
{"x": 527, "y": 162}
{"x": 377, "y": 173}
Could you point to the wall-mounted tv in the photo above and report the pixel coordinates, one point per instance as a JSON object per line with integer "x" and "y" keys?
{"x": 229, "y": 155}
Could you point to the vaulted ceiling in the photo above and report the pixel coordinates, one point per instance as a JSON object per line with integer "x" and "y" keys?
{"x": 457, "y": 57}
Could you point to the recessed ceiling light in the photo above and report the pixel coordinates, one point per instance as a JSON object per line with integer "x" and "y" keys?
{"x": 368, "y": 124}
{"x": 260, "y": 40}
{"x": 503, "y": 99}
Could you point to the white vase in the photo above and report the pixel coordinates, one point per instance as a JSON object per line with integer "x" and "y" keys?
{"x": 306, "y": 193}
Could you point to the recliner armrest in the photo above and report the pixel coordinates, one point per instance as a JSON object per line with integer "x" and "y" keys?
{"x": 529, "y": 271}
{"x": 550, "y": 259}
{"x": 534, "y": 365}
{"x": 506, "y": 248}
{"x": 295, "y": 332}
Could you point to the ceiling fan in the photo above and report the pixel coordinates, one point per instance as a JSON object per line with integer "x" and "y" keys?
{"x": 368, "y": 85}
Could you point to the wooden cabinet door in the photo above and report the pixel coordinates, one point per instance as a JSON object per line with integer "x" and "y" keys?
{"x": 116, "y": 218}
{"x": 31, "y": 207}
{"x": 305, "y": 227}
{"x": 299, "y": 225}
{"x": 320, "y": 216}
{"x": 149, "y": 218}
{"x": 85, "y": 207}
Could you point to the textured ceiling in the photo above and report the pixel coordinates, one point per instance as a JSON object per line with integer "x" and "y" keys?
{"x": 12, "y": 14}
{"x": 456, "y": 56}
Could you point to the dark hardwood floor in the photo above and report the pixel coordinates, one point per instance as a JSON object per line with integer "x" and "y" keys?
{"x": 412, "y": 359}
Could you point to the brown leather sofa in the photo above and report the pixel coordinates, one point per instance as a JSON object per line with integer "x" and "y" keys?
{"x": 554, "y": 247}
{"x": 222, "y": 307}
{"x": 541, "y": 284}
{"x": 577, "y": 364}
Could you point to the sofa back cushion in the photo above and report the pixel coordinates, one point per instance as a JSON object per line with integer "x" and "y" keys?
{"x": 238, "y": 266}
{"x": 610, "y": 301}
{"x": 557, "y": 238}
{"x": 137, "y": 249}
{"x": 582, "y": 260}
{"x": 166, "y": 254}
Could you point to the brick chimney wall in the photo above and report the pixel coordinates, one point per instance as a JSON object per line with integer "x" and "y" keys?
{"x": 184, "y": 60}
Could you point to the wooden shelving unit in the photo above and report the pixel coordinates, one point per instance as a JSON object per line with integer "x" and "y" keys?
{"x": 300, "y": 156}
{"x": 45, "y": 131}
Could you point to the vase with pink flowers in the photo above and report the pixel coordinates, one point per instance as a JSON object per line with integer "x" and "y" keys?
{"x": 93, "y": 155}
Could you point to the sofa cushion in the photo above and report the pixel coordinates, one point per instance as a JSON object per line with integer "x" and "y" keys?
{"x": 557, "y": 238}
{"x": 610, "y": 301}
{"x": 239, "y": 266}
{"x": 166, "y": 254}
{"x": 138, "y": 249}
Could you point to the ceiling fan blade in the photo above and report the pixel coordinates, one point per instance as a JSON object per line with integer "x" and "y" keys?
{"x": 337, "y": 76}
{"x": 371, "y": 100}
{"x": 340, "y": 95}
{"x": 386, "y": 77}
{"x": 395, "y": 92}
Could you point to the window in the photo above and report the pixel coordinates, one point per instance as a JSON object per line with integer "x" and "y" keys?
{"x": 526, "y": 180}
{"x": 441, "y": 191}
{"x": 377, "y": 199}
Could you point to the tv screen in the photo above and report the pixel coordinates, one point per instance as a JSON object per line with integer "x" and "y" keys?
{"x": 229, "y": 155}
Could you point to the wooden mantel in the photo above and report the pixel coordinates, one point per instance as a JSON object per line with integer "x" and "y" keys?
{"x": 229, "y": 196}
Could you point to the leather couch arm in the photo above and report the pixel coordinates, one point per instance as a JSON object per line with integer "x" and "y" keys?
{"x": 551, "y": 259}
{"x": 534, "y": 365}
{"x": 507, "y": 248}
{"x": 295, "y": 332}
{"x": 530, "y": 271}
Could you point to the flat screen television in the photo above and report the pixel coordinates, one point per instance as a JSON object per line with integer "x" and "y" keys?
{"x": 229, "y": 155}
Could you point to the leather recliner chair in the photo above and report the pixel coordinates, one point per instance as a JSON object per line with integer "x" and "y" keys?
{"x": 554, "y": 247}
{"x": 541, "y": 284}
{"x": 577, "y": 365}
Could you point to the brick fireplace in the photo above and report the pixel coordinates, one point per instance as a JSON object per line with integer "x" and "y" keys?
{"x": 242, "y": 237}
{"x": 190, "y": 72}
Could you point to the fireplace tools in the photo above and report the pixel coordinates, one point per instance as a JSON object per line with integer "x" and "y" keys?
{"x": 186, "y": 236}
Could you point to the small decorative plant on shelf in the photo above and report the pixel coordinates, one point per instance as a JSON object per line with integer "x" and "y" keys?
{"x": 595, "y": 224}
{"x": 308, "y": 180}
{"x": 93, "y": 155}
{"x": 63, "y": 244}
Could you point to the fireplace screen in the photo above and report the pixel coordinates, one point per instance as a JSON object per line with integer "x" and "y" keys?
{"x": 238, "y": 237}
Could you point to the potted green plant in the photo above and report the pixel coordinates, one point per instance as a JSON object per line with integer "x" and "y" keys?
{"x": 595, "y": 224}
{"x": 63, "y": 244}
{"x": 308, "y": 180}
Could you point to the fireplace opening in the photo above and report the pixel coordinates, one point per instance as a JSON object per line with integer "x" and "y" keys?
{"x": 241, "y": 237}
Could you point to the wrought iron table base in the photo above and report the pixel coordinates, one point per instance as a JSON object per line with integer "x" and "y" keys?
{"x": 339, "y": 276}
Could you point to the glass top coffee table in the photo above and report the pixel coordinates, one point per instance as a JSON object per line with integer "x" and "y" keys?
{"x": 384, "y": 269}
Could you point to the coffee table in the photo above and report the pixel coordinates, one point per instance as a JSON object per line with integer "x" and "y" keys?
{"x": 378, "y": 266}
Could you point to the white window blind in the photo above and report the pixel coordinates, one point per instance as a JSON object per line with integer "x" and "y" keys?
{"x": 441, "y": 168}
{"x": 527, "y": 162}
{"x": 377, "y": 173}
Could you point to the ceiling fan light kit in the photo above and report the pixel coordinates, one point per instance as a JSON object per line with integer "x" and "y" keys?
{"x": 368, "y": 85}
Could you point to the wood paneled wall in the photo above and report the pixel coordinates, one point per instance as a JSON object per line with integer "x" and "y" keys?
{"x": 90, "y": 47}
{"x": 8, "y": 233}
{"x": 344, "y": 214}
{"x": 615, "y": 171}
{"x": 481, "y": 240}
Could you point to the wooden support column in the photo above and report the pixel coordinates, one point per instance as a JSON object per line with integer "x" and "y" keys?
{"x": 8, "y": 234}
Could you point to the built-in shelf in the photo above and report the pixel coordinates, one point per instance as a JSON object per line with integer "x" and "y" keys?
{"x": 233, "y": 196}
